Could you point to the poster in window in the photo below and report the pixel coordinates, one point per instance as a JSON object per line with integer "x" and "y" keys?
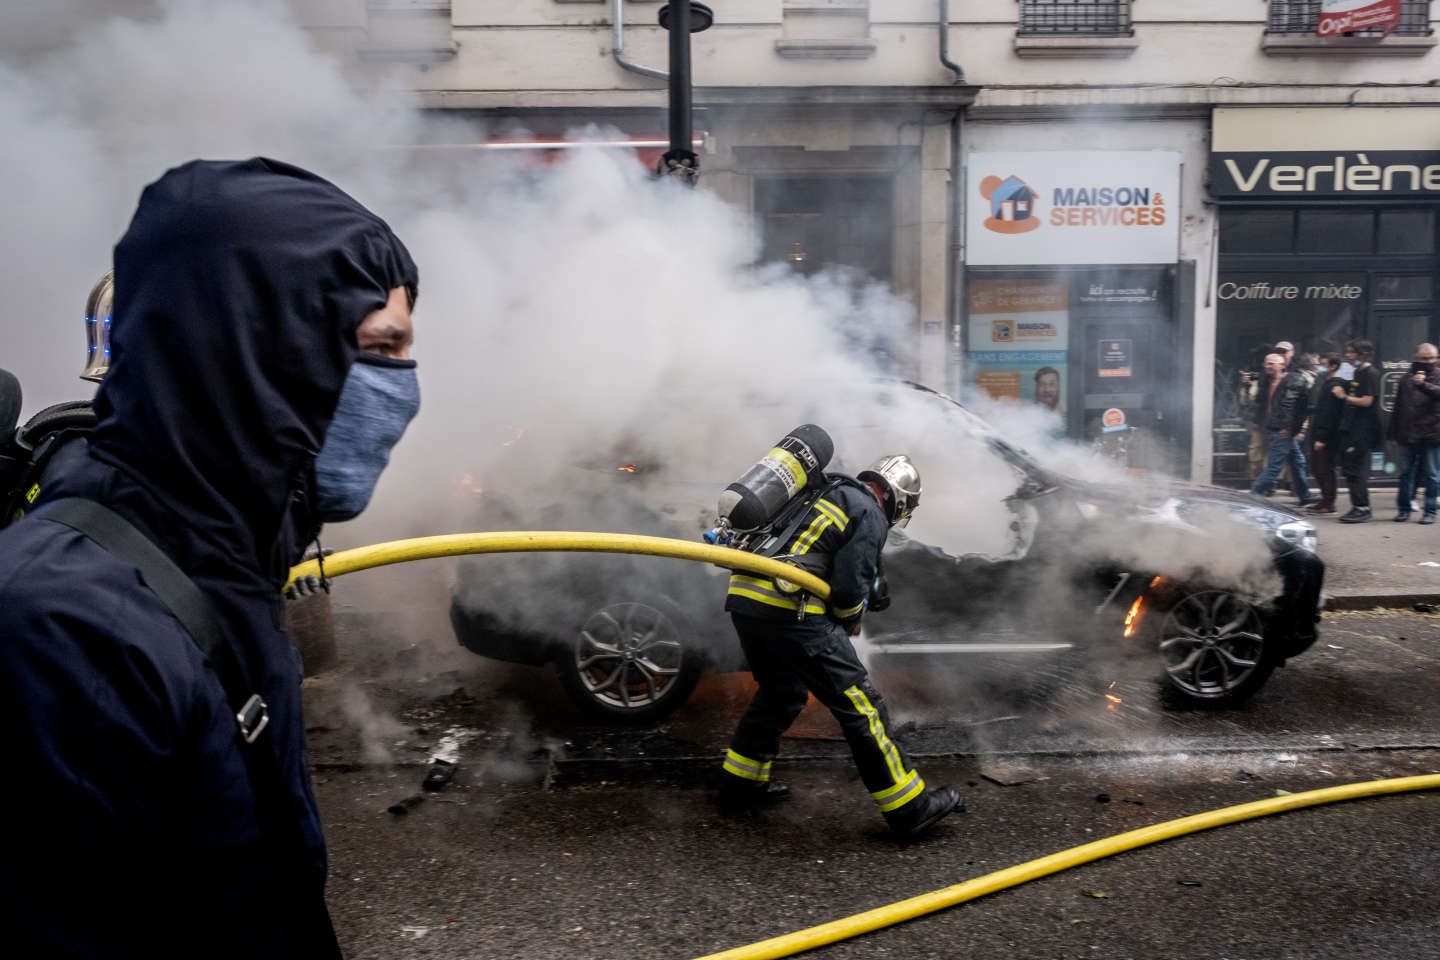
{"x": 1116, "y": 358}
{"x": 1019, "y": 338}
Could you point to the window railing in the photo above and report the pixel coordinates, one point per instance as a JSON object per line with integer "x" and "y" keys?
{"x": 1298, "y": 18}
{"x": 1083, "y": 18}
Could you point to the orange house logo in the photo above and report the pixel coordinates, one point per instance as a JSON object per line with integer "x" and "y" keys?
{"x": 1012, "y": 205}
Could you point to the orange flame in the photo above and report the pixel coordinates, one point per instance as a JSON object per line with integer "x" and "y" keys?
{"x": 627, "y": 468}
{"x": 1132, "y": 619}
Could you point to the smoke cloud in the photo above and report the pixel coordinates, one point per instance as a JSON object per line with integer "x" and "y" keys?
{"x": 574, "y": 318}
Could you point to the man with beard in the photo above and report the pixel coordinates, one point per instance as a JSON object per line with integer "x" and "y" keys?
{"x": 1415, "y": 428}
{"x": 160, "y": 801}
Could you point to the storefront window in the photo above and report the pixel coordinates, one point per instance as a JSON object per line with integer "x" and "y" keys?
{"x": 1406, "y": 231}
{"x": 1334, "y": 231}
{"x": 1094, "y": 345}
{"x": 1257, "y": 231}
{"x": 1420, "y": 287}
{"x": 816, "y": 222}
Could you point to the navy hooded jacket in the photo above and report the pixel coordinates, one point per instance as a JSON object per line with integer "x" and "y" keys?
{"x": 129, "y": 825}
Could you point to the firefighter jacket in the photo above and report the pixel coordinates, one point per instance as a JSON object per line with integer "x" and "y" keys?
{"x": 839, "y": 540}
{"x": 130, "y": 824}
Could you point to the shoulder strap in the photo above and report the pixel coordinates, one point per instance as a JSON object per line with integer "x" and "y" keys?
{"x": 177, "y": 591}
{"x": 183, "y": 598}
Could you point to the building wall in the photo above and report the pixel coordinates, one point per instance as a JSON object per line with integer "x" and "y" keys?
{"x": 820, "y": 85}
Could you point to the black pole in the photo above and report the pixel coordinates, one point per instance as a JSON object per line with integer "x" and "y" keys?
{"x": 681, "y": 138}
{"x": 682, "y": 18}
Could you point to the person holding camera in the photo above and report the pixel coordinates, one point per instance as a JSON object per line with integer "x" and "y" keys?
{"x": 1415, "y": 429}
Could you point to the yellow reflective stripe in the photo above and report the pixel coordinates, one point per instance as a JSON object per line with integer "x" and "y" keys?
{"x": 742, "y": 766}
{"x": 788, "y": 461}
{"x": 849, "y": 612}
{"x": 836, "y": 514}
{"x": 904, "y": 798}
{"x": 877, "y": 730}
{"x": 817, "y": 526}
{"x": 889, "y": 792}
{"x": 761, "y": 592}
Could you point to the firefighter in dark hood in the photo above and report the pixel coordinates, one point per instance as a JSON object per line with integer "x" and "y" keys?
{"x": 259, "y": 377}
{"x": 798, "y": 645}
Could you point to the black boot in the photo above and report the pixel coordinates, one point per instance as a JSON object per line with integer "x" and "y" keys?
{"x": 741, "y": 795}
{"x": 922, "y": 813}
{"x": 1357, "y": 515}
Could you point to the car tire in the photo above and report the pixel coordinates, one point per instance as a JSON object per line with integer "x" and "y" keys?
{"x": 1215, "y": 646}
{"x": 631, "y": 662}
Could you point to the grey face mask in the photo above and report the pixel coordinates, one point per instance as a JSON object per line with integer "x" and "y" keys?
{"x": 379, "y": 399}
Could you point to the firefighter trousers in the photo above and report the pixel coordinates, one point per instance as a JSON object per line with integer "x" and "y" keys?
{"x": 791, "y": 659}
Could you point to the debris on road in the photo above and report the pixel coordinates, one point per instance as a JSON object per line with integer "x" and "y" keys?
{"x": 403, "y": 807}
{"x": 1011, "y": 775}
{"x": 440, "y": 773}
{"x": 1097, "y": 894}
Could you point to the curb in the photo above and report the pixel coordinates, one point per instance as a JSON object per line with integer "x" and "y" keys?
{"x": 1371, "y": 601}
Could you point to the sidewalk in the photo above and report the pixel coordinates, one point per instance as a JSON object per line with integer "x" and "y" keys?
{"x": 1380, "y": 563}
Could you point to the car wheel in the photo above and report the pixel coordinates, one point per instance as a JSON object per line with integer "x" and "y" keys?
{"x": 1215, "y": 649}
{"x": 630, "y": 663}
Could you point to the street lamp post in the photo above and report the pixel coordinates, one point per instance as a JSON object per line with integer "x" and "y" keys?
{"x": 682, "y": 18}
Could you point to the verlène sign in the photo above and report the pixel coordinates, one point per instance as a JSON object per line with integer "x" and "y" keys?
{"x": 1339, "y": 17}
{"x": 1073, "y": 207}
{"x": 1328, "y": 173}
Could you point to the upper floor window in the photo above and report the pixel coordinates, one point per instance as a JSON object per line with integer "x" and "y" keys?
{"x": 1088, "y": 18}
{"x": 1300, "y": 17}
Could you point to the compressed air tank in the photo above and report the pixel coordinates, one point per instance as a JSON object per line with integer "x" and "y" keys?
{"x": 796, "y": 462}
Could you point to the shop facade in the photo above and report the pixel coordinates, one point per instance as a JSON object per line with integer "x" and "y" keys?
{"x": 1327, "y": 233}
{"x": 1077, "y": 296}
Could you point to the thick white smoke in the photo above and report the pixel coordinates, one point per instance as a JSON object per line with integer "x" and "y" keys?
{"x": 573, "y": 318}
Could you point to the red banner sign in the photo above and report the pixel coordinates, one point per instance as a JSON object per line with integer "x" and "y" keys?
{"x": 1339, "y": 17}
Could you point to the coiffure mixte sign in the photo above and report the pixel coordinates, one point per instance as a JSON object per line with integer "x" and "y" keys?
{"x": 1073, "y": 208}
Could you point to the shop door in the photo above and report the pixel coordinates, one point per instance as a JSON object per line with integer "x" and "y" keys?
{"x": 1396, "y": 332}
{"x": 1130, "y": 393}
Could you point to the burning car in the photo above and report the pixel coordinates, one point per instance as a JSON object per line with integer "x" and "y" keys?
{"x": 1219, "y": 587}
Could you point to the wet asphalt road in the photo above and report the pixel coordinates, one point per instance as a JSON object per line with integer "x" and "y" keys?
{"x": 560, "y": 839}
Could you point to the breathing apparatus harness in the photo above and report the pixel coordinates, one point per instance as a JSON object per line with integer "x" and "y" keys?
{"x": 763, "y": 510}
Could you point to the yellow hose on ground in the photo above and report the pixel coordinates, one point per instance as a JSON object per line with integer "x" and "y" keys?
{"x": 458, "y": 544}
{"x": 827, "y": 933}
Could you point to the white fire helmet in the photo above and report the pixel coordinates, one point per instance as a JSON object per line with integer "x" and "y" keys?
{"x": 97, "y": 328}
{"x": 901, "y": 481}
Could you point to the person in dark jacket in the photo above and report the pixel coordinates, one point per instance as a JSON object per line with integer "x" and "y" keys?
{"x": 798, "y": 645}
{"x": 259, "y": 376}
{"x": 1323, "y": 430}
{"x": 1284, "y": 403}
{"x": 1415, "y": 428}
{"x": 1359, "y": 430}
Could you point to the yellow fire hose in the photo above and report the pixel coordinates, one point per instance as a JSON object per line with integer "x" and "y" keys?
{"x": 451, "y": 545}
{"x": 457, "y": 544}
{"x": 827, "y": 933}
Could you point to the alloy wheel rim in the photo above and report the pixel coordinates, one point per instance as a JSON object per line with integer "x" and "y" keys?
{"x": 1211, "y": 641}
{"x": 628, "y": 655}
